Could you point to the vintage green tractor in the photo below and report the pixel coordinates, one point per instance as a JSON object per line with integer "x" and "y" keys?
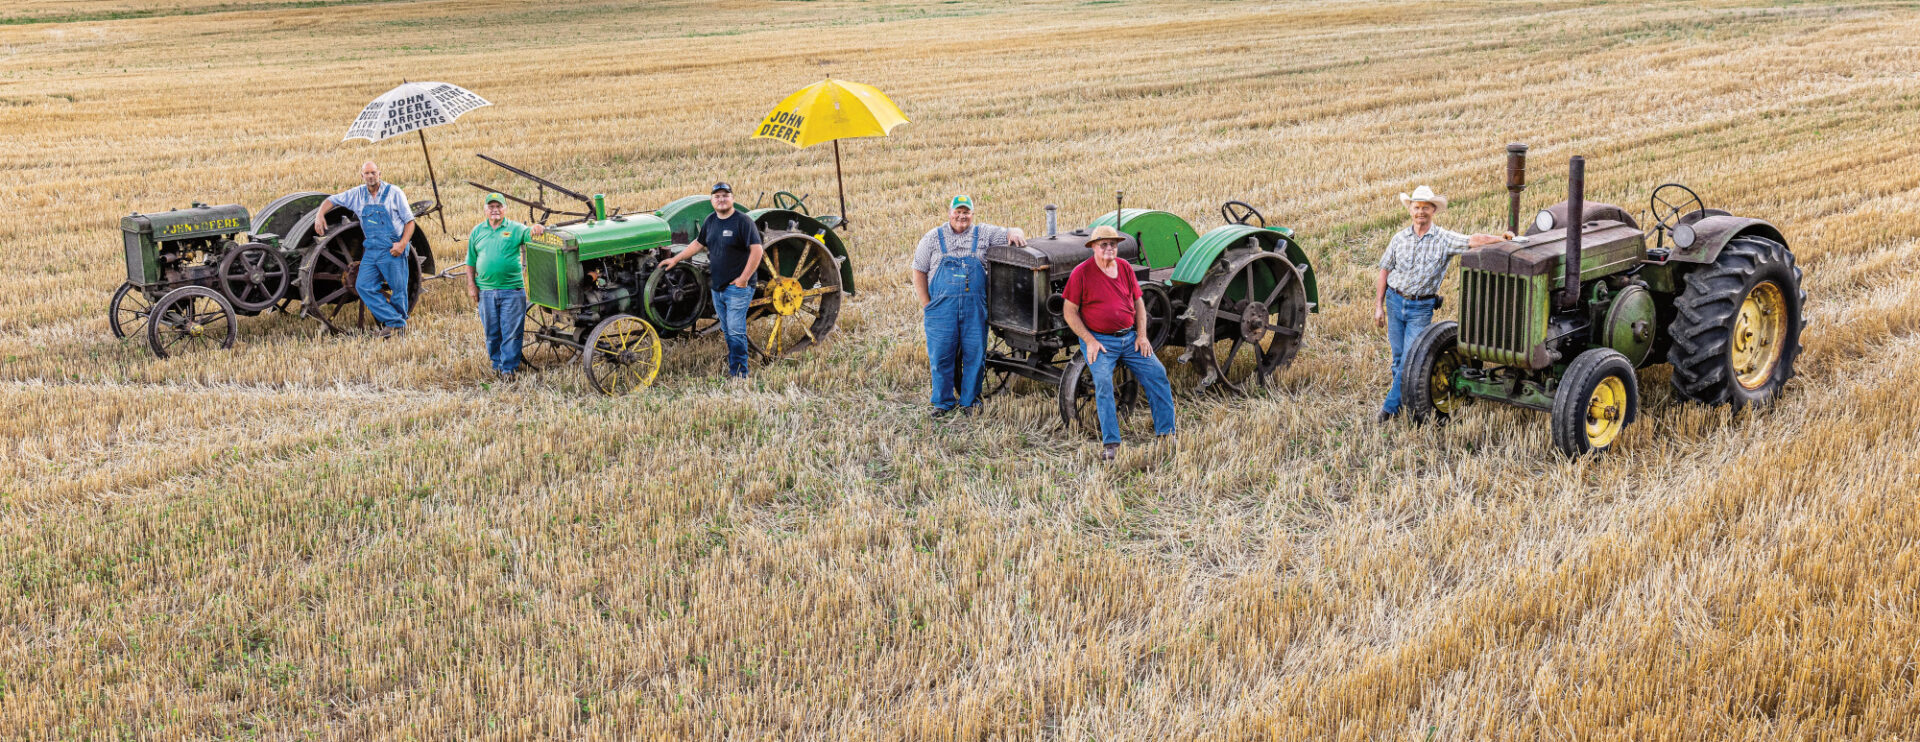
{"x": 595, "y": 289}
{"x": 1558, "y": 319}
{"x": 191, "y": 271}
{"x": 1234, "y": 301}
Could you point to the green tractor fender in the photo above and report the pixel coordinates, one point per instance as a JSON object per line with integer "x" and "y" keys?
{"x": 794, "y": 221}
{"x": 1715, "y": 231}
{"x": 1163, "y": 237}
{"x": 1199, "y": 259}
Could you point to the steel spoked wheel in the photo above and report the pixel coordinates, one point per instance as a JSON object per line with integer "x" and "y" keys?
{"x": 621, "y": 354}
{"x": 1079, "y": 406}
{"x": 1759, "y": 335}
{"x": 327, "y": 276}
{"x": 545, "y": 338}
{"x": 190, "y": 320}
{"x": 127, "y": 312}
{"x": 799, "y": 297}
{"x": 1596, "y": 399}
{"x": 675, "y": 298}
{"x": 1246, "y": 320}
{"x": 1160, "y": 321}
{"x": 254, "y": 277}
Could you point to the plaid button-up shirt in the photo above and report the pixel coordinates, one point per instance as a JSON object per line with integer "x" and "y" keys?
{"x": 1415, "y": 266}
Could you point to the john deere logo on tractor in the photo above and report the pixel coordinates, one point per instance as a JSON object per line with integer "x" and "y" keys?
{"x": 212, "y": 225}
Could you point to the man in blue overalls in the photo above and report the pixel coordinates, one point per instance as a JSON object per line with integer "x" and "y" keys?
{"x": 386, "y": 231}
{"x": 952, "y": 283}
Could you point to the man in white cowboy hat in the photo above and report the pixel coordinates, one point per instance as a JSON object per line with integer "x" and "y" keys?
{"x": 1105, "y": 308}
{"x": 1410, "y": 274}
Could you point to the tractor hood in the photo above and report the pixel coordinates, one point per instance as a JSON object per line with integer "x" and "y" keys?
{"x": 1609, "y": 247}
{"x": 1059, "y": 253}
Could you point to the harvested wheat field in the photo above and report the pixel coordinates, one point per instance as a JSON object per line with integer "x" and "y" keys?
{"x": 315, "y": 537}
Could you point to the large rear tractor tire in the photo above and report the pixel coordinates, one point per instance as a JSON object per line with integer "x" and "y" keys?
{"x": 1597, "y": 398}
{"x": 1738, "y": 327}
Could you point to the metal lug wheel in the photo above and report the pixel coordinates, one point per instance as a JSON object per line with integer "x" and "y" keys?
{"x": 191, "y": 319}
{"x": 1079, "y": 407}
{"x": 621, "y": 354}
{"x": 799, "y": 297}
{"x": 1246, "y": 320}
{"x": 254, "y": 277}
{"x": 127, "y": 313}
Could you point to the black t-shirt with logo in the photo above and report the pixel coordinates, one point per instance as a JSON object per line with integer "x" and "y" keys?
{"x": 729, "y": 243}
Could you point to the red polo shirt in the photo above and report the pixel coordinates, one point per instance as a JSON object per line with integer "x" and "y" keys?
{"x": 1106, "y": 304}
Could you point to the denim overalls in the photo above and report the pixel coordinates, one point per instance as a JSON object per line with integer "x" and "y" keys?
{"x": 379, "y": 229}
{"x": 956, "y": 324}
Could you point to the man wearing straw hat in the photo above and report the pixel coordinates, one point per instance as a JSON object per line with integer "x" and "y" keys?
{"x": 1106, "y": 310}
{"x": 951, "y": 281}
{"x": 1410, "y": 274}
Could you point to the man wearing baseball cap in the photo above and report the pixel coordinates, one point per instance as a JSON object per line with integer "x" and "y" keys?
{"x": 1410, "y": 274}
{"x": 495, "y": 282}
{"x": 951, "y": 282}
{"x": 734, "y": 244}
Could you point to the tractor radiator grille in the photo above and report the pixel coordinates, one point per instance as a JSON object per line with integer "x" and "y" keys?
{"x": 1497, "y": 317}
{"x": 546, "y": 281}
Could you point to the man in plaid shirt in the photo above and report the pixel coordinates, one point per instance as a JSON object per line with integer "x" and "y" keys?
{"x": 1410, "y": 274}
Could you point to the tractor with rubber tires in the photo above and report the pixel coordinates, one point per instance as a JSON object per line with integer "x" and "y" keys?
{"x": 597, "y": 297}
{"x": 1233, "y": 302}
{"x": 1560, "y": 318}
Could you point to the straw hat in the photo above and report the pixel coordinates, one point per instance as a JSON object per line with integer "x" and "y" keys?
{"x": 1426, "y": 194}
{"x": 1102, "y": 233}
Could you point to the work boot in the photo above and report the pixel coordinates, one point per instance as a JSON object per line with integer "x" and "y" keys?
{"x": 1108, "y": 451}
{"x": 1383, "y": 417}
{"x": 939, "y": 413}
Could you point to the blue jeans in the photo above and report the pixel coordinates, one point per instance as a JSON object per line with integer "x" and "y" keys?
{"x": 1406, "y": 319}
{"x": 377, "y": 266}
{"x": 502, "y": 313}
{"x": 1118, "y": 349}
{"x": 956, "y": 328}
{"x": 730, "y": 306}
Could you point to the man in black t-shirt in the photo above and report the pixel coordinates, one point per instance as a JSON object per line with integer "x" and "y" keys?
{"x": 734, "y": 244}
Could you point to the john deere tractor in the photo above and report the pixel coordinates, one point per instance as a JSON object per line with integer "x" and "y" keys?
{"x": 1558, "y": 319}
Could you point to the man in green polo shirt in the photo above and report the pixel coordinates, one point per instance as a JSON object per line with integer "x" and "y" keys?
{"x": 495, "y": 283}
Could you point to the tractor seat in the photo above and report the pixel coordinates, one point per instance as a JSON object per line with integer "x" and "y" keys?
{"x": 830, "y": 221}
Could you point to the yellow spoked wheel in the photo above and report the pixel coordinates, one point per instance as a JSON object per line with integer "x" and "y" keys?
{"x": 1759, "y": 335}
{"x": 621, "y": 354}
{"x": 1606, "y": 412}
{"x": 1445, "y": 400}
{"x": 799, "y": 297}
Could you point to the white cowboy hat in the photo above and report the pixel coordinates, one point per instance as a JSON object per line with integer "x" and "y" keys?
{"x": 1426, "y": 194}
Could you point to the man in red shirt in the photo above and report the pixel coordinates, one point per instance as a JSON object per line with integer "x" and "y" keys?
{"x": 1105, "y": 310}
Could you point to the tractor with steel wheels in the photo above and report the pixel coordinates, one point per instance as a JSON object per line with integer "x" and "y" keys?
{"x": 192, "y": 271}
{"x": 1234, "y": 301}
{"x": 596, "y": 292}
{"x": 1558, "y": 319}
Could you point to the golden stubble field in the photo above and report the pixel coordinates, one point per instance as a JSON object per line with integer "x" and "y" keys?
{"x": 314, "y": 537}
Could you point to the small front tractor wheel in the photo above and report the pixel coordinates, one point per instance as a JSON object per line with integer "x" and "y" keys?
{"x": 622, "y": 354}
{"x": 189, "y": 319}
{"x": 1597, "y": 398}
{"x": 1738, "y": 326}
{"x": 1432, "y": 363}
{"x": 1078, "y": 408}
{"x": 127, "y": 313}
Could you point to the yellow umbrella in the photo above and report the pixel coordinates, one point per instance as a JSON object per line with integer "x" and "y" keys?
{"x": 831, "y": 110}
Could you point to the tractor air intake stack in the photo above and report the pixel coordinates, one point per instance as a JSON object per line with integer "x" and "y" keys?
{"x": 1516, "y": 182}
{"x": 1053, "y": 220}
{"x": 1576, "y": 223}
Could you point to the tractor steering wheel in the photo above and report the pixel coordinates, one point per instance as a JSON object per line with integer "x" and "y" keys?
{"x": 1667, "y": 210}
{"x": 789, "y": 202}
{"x": 1239, "y": 212}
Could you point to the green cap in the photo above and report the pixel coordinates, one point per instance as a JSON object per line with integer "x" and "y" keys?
{"x": 959, "y": 201}
{"x": 495, "y": 198}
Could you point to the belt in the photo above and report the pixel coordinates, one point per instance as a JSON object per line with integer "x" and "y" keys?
{"x": 1422, "y": 297}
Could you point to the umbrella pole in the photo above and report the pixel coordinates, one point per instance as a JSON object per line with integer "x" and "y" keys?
{"x": 438, "y": 207}
{"x": 841, "y": 180}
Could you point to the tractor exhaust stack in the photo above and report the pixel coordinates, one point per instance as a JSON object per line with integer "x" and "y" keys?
{"x": 1516, "y": 182}
{"x": 1053, "y": 220}
{"x": 1576, "y": 223}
